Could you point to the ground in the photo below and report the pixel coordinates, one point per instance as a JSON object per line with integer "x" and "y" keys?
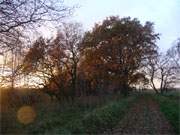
{"x": 144, "y": 117}
{"x": 137, "y": 114}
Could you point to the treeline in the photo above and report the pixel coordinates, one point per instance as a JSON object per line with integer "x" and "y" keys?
{"x": 117, "y": 55}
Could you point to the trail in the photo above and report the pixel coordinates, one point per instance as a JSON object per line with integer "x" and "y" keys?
{"x": 144, "y": 118}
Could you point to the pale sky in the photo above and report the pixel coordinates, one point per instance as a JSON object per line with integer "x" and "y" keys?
{"x": 164, "y": 13}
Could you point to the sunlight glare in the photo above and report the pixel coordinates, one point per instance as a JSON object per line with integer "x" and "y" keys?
{"x": 26, "y": 115}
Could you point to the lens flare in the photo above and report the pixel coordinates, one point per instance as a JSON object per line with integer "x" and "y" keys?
{"x": 26, "y": 115}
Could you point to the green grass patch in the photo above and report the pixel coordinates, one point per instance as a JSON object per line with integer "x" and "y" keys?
{"x": 104, "y": 119}
{"x": 59, "y": 122}
{"x": 170, "y": 107}
{"x": 80, "y": 119}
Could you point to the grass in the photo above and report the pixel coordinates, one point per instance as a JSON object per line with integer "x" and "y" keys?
{"x": 105, "y": 118}
{"x": 62, "y": 118}
{"x": 57, "y": 122}
{"x": 87, "y": 115}
{"x": 80, "y": 120}
{"x": 169, "y": 106}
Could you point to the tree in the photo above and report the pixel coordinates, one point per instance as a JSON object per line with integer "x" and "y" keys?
{"x": 164, "y": 70}
{"x": 71, "y": 36}
{"x": 151, "y": 70}
{"x": 22, "y": 13}
{"x": 174, "y": 53}
{"x": 35, "y": 55}
{"x": 167, "y": 72}
{"x": 117, "y": 48}
{"x": 16, "y": 16}
{"x": 56, "y": 61}
{"x": 11, "y": 63}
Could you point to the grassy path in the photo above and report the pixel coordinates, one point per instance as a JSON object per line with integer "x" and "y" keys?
{"x": 134, "y": 115}
{"x": 144, "y": 118}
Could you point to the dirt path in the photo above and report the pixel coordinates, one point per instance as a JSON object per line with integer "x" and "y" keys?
{"x": 144, "y": 118}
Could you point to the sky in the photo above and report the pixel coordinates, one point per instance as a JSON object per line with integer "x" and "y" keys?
{"x": 165, "y": 14}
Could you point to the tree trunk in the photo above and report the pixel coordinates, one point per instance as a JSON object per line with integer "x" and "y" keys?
{"x": 125, "y": 86}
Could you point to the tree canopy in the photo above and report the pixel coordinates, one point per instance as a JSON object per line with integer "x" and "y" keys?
{"x": 119, "y": 47}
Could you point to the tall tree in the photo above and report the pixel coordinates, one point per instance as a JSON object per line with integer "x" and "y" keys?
{"x": 56, "y": 61}
{"x": 119, "y": 47}
{"x": 71, "y": 39}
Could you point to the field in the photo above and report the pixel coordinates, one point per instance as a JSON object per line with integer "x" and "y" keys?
{"x": 33, "y": 112}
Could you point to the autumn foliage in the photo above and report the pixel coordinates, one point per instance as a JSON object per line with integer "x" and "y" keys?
{"x": 112, "y": 57}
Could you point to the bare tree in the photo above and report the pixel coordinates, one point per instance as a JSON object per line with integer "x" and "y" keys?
{"x": 174, "y": 53}
{"x": 167, "y": 73}
{"x": 71, "y": 40}
{"x": 19, "y": 15}
{"x": 151, "y": 70}
{"x": 11, "y": 62}
{"x": 163, "y": 70}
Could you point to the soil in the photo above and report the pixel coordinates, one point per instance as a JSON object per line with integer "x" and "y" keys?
{"x": 144, "y": 118}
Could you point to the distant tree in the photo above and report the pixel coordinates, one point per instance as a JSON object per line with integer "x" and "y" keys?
{"x": 174, "y": 58}
{"x": 167, "y": 72}
{"x": 164, "y": 69}
{"x": 174, "y": 53}
{"x": 11, "y": 61}
{"x": 34, "y": 55}
{"x": 117, "y": 48}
